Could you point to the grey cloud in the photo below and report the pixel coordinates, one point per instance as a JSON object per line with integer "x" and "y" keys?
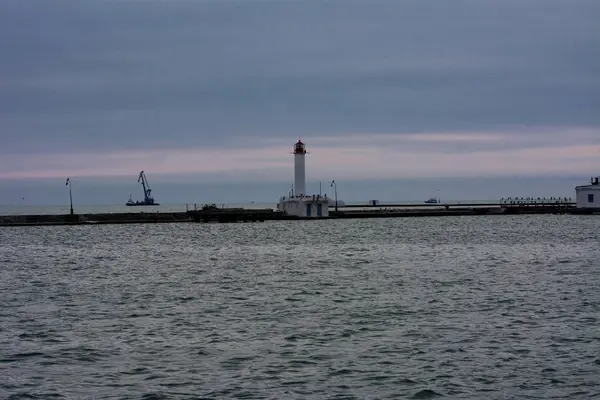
{"x": 132, "y": 74}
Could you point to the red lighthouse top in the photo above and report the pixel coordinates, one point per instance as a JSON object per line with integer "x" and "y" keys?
{"x": 299, "y": 148}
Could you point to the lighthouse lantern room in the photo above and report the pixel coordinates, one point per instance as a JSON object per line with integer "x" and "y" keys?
{"x": 298, "y": 203}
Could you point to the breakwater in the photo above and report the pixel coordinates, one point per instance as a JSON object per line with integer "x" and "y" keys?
{"x": 447, "y": 210}
{"x": 227, "y": 215}
{"x": 104, "y": 218}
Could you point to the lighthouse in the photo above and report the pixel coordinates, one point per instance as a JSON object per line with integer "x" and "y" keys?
{"x": 299, "y": 168}
{"x": 299, "y": 203}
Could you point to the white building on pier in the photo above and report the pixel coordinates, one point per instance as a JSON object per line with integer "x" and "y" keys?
{"x": 298, "y": 203}
{"x": 588, "y": 196}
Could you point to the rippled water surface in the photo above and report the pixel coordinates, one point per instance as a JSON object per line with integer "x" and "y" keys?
{"x": 460, "y": 307}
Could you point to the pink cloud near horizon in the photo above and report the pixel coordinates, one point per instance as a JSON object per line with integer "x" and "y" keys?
{"x": 349, "y": 157}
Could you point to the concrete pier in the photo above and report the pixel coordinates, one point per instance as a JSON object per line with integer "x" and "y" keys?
{"x": 229, "y": 215}
{"x": 235, "y": 215}
{"x": 83, "y": 219}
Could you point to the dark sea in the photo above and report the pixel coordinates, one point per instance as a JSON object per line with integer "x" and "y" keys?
{"x": 454, "y": 307}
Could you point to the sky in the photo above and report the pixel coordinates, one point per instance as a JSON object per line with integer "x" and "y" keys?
{"x": 393, "y": 98}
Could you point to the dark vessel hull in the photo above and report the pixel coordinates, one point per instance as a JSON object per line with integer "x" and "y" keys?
{"x": 141, "y": 203}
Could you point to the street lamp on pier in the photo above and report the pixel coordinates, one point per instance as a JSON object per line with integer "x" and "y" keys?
{"x": 334, "y": 186}
{"x": 70, "y": 194}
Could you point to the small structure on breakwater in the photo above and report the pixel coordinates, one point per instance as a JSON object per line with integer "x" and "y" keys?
{"x": 298, "y": 203}
{"x": 588, "y": 196}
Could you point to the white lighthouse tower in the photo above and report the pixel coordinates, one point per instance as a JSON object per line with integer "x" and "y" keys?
{"x": 299, "y": 203}
{"x": 299, "y": 168}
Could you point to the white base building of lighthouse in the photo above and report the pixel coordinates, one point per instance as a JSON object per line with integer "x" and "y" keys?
{"x": 304, "y": 206}
{"x": 298, "y": 203}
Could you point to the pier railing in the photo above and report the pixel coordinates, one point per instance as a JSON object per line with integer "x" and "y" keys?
{"x": 504, "y": 202}
{"x": 537, "y": 201}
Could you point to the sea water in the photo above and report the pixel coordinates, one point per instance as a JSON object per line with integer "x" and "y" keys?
{"x": 489, "y": 307}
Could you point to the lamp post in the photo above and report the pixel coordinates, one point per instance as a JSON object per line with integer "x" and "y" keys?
{"x": 70, "y": 194}
{"x": 334, "y": 186}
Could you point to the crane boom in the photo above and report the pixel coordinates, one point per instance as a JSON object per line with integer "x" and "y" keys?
{"x": 147, "y": 191}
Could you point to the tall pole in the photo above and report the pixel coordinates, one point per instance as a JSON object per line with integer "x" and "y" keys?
{"x": 68, "y": 183}
{"x": 336, "y": 200}
{"x": 334, "y": 185}
{"x": 71, "y": 196}
{"x": 319, "y": 189}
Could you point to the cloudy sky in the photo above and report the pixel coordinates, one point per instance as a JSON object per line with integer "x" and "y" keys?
{"x": 210, "y": 91}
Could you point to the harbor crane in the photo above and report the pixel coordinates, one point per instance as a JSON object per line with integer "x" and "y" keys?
{"x": 148, "y": 199}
